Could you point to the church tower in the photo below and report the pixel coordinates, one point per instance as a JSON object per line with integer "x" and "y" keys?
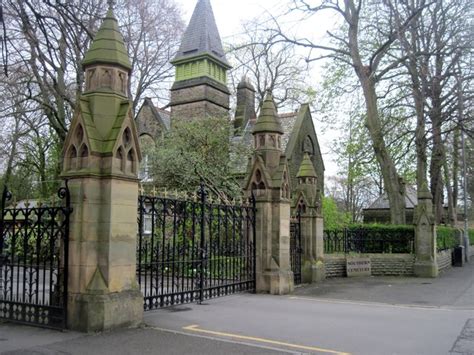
{"x": 200, "y": 87}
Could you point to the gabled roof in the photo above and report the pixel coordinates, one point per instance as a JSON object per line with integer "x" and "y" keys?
{"x": 202, "y": 36}
{"x": 382, "y": 202}
{"x": 296, "y": 127}
{"x": 159, "y": 114}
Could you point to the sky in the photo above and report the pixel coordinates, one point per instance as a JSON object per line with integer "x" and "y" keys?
{"x": 231, "y": 14}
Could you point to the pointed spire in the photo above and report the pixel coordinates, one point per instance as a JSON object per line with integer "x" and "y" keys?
{"x": 267, "y": 120}
{"x": 306, "y": 168}
{"x": 108, "y": 46}
{"x": 202, "y": 36}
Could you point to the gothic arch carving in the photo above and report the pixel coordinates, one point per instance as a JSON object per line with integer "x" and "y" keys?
{"x": 125, "y": 155}
{"x": 258, "y": 184}
{"x": 83, "y": 155}
{"x": 106, "y": 79}
{"x": 308, "y": 146}
{"x": 77, "y": 158}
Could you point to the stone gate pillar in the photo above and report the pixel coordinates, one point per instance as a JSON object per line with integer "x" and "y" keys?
{"x": 425, "y": 236}
{"x": 307, "y": 202}
{"x": 268, "y": 179}
{"x": 100, "y": 160}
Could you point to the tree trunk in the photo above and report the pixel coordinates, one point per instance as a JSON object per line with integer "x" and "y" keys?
{"x": 394, "y": 185}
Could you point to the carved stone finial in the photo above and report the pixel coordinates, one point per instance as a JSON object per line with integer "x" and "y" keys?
{"x": 111, "y": 4}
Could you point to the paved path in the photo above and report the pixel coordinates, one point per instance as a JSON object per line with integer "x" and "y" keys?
{"x": 342, "y": 316}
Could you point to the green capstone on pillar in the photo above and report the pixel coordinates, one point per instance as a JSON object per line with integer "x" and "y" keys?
{"x": 200, "y": 87}
{"x": 100, "y": 160}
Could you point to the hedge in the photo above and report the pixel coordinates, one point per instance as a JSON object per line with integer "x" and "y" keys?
{"x": 446, "y": 238}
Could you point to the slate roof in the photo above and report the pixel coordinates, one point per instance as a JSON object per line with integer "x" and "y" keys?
{"x": 164, "y": 115}
{"x": 287, "y": 122}
{"x": 201, "y": 35}
{"x": 382, "y": 202}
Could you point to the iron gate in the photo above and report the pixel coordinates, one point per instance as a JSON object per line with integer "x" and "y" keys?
{"x": 194, "y": 249}
{"x": 33, "y": 261}
{"x": 296, "y": 249}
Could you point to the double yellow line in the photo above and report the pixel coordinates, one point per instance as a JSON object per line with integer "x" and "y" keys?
{"x": 195, "y": 328}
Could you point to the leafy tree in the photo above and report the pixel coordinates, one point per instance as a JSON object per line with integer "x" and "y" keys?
{"x": 197, "y": 151}
{"x": 333, "y": 218}
{"x": 43, "y": 48}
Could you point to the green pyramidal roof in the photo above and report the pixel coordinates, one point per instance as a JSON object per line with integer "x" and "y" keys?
{"x": 306, "y": 168}
{"x": 107, "y": 46}
{"x": 267, "y": 120}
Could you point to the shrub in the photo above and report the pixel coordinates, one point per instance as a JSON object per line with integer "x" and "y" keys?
{"x": 370, "y": 238}
{"x": 446, "y": 238}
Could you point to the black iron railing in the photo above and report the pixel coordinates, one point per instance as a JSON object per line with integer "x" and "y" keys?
{"x": 296, "y": 248}
{"x": 190, "y": 250}
{"x": 33, "y": 261}
{"x": 367, "y": 240}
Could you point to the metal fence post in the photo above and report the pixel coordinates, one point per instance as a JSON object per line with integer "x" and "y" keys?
{"x": 202, "y": 192}
{"x": 254, "y": 239}
{"x": 5, "y": 197}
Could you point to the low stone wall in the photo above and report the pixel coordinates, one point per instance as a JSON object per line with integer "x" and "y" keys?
{"x": 335, "y": 265}
{"x": 444, "y": 259}
{"x": 392, "y": 264}
{"x": 381, "y": 264}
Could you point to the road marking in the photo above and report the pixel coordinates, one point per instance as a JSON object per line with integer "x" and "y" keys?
{"x": 195, "y": 328}
{"x": 376, "y": 304}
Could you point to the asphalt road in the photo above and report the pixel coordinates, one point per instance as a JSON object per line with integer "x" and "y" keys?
{"x": 341, "y": 316}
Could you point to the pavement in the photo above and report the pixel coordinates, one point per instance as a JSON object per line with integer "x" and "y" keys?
{"x": 372, "y": 315}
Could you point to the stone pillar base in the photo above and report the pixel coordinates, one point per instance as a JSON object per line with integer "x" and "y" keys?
{"x": 96, "y": 313}
{"x": 318, "y": 272}
{"x": 425, "y": 269}
{"x": 313, "y": 272}
{"x": 276, "y": 282}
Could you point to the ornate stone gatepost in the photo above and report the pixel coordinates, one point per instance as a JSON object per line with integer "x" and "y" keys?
{"x": 425, "y": 236}
{"x": 268, "y": 178}
{"x": 307, "y": 202}
{"x": 100, "y": 160}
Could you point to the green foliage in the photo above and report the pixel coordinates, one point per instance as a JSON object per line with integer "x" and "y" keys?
{"x": 376, "y": 227}
{"x": 333, "y": 218}
{"x": 471, "y": 236}
{"x": 370, "y": 238}
{"x": 195, "y": 151}
{"x": 446, "y": 238}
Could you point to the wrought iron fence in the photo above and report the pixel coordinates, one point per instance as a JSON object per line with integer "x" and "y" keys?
{"x": 33, "y": 261}
{"x": 296, "y": 249}
{"x": 194, "y": 249}
{"x": 369, "y": 240}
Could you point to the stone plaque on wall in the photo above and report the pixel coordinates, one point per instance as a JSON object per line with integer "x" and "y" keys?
{"x": 358, "y": 267}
